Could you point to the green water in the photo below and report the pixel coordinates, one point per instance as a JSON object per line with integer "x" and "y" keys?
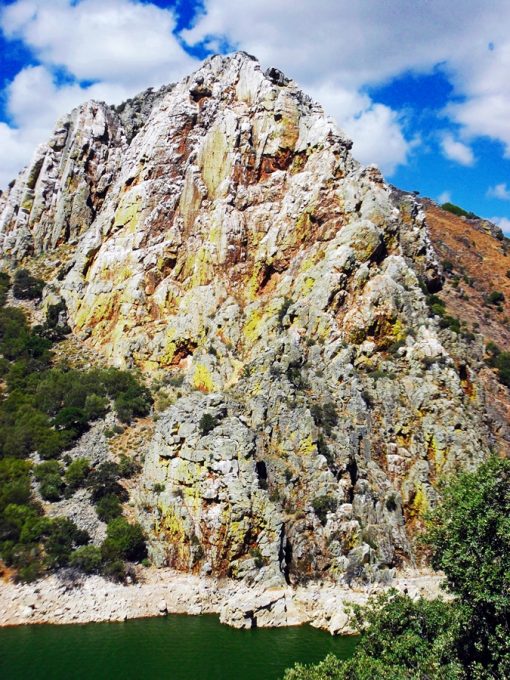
{"x": 173, "y": 648}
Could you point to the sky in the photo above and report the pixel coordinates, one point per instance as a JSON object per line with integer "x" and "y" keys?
{"x": 421, "y": 87}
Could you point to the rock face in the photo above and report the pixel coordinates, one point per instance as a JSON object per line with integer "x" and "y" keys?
{"x": 219, "y": 235}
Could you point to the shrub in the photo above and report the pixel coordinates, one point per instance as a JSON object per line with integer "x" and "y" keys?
{"x": 450, "y": 322}
{"x": 322, "y": 505}
{"x": 456, "y": 210}
{"x": 77, "y": 473}
{"x": 325, "y": 416}
{"x": 108, "y": 507}
{"x": 26, "y": 286}
{"x": 128, "y": 466}
{"x": 207, "y": 423}
{"x": 49, "y": 476}
{"x": 114, "y": 569}
{"x": 495, "y": 298}
{"x": 104, "y": 480}
{"x": 124, "y": 541}
{"x": 63, "y": 537}
{"x": 5, "y": 284}
{"x": 87, "y": 559}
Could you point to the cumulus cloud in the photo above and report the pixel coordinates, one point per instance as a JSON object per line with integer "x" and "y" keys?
{"x": 375, "y": 129}
{"x": 358, "y": 44}
{"x": 335, "y": 49}
{"x": 500, "y": 191}
{"x": 457, "y": 151}
{"x": 121, "y": 41}
{"x": 502, "y": 222}
{"x": 107, "y": 49}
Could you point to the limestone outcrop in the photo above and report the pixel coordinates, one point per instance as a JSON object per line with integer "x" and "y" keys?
{"x": 219, "y": 236}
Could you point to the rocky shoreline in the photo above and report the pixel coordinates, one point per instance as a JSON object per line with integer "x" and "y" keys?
{"x": 159, "y": 592}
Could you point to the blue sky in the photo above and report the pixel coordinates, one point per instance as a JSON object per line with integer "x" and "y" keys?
{"x": 421, "y": 87}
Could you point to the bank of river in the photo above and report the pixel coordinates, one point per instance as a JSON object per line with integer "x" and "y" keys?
{"x": 175, "y": 647}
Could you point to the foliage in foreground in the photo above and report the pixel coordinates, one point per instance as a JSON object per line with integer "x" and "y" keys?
{"x": 467, "y": 638}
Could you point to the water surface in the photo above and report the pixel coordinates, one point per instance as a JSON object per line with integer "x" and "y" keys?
{"x": 173, "y": 648}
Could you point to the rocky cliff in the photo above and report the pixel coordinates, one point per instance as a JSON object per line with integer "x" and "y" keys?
{"x": 218, "y": 236}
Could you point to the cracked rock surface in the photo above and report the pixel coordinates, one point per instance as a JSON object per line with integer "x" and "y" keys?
{"x": 218, "y": 235}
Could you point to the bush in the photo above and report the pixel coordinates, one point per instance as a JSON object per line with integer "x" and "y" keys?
{"x": 128, "y": 467}
{"x": 325, "y": 416}
{"x": 499, "y": 360}
{"x": 207, "y": 423}
{"x": 63, "y": 537}
{"x": 114, "y": 570}
{"x": 322, "y": 505}
{"x": 49, "y": 476}
{"x": 104, "y": 481}
{"x": 495, "y": 298}
{"x": 460, "y": 212}
{"x": 5, "y": 284}
{"x": 124, "y": 541}
{"x": 450, "y": 322}
{"x": 77, "y": 473}
{"x": 26, "y": 286}
{"x": 87, "y": 559}
{"x": 109, "y": 507}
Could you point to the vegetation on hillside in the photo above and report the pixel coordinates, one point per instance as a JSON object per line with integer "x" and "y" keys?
{"x": 466, "y": 638}
{"x": 44, "y": 409}
{"x": 460, "y": 212}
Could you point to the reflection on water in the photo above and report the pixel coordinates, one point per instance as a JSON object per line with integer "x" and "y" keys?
{"x": 176, "y": 647}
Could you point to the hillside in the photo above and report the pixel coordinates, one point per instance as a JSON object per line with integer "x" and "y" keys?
{"x": 278, "y": 298}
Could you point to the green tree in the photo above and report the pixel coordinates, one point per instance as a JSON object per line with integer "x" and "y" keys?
{"x": 109, "y": 507}
{"x": 87, "y": 559}
{"x": 26, "y": 286}
{"x": 77, "y": 473}
{"x": 124, "y": 541}
{"x": 469, "y": 535}
{"x": 469, "y": 539}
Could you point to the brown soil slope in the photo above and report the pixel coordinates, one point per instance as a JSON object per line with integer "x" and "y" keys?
{"x": 478, "y": 259}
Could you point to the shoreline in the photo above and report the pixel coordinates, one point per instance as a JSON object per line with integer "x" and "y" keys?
{"x": 93, "y": 599}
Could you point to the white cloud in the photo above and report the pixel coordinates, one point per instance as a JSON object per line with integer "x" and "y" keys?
{"x": 355, "y": 44}
{"x": 333, "y": 48}
{"x": 457, "y": 151}
{"x": 502, "y": 222}
{"x": 121, "y": 41}
{"x": 445, "y": 197}
{"x": 500, "y": 191}
{"x": 122, "y": 46}
{"x": 375, "y": 128}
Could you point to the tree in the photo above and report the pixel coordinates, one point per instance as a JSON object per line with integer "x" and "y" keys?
{"x": 469, "y": 535}
{"x": 26, "y": 286}
{"x": 469, "y": 539}
{"x": 87, "y": 559}
{"x": 124, "y": 541}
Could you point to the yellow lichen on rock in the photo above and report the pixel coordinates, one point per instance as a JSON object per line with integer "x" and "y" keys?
{"x": 202, "y": 379}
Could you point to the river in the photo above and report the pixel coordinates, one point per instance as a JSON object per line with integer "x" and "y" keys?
{"x": 173, "y": 648}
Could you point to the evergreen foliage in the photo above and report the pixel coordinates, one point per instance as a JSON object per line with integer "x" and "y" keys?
{"x": 466, "y": 638}
{"x": 44, "y": 409}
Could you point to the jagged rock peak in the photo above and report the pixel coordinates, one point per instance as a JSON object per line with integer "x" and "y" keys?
{"x": 233, "y": 247}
